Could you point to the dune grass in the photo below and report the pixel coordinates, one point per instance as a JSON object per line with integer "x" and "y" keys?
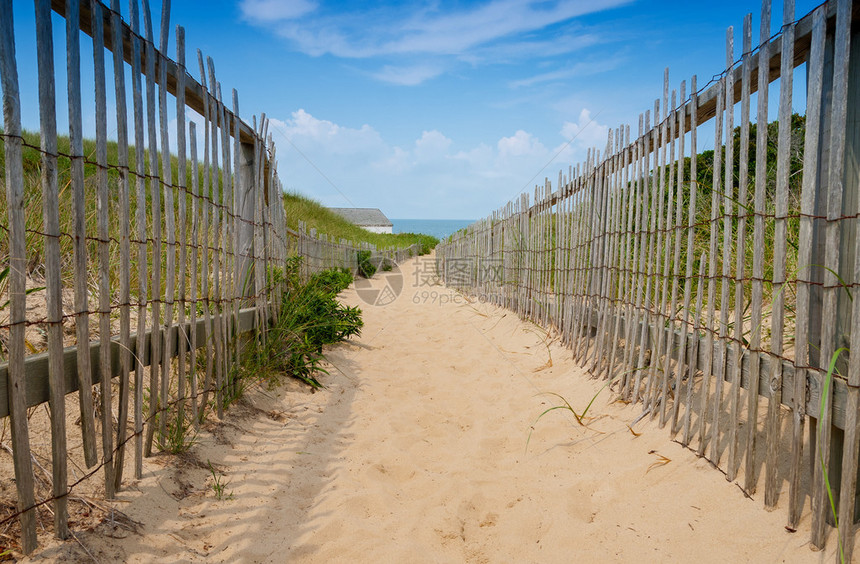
{"x": 315, "y": 215}
{"x": 297, "y": 208}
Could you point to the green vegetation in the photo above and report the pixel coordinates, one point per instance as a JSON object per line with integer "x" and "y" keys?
{"x": 825, "y": 394}
{"x": 309, "y": 318}
{"x": 315, "y": 215}
{"x": 219, "y": 486}
{"x": 35, "y": 242}
{"x": 297, "y": 208}
{"x": 565, "y": 405}
{"x": 180, "y": 435}
{"x": 365, "y": 267}
{"x": 705, "y": 177}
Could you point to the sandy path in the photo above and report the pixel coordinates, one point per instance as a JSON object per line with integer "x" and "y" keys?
{"x": 416, "y": 452}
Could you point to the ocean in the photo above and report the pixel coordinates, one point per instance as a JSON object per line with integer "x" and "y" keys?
{"x": 437, "y": 227}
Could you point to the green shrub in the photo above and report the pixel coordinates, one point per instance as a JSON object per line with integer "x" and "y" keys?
{"x": 365, "y": 267}
{"x": 333, "y": 280}
{"x": 310, "y": 318}
{"x": 325, "y": 320}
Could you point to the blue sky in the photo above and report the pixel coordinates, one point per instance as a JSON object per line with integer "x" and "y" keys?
{"x": 438, "y": 109}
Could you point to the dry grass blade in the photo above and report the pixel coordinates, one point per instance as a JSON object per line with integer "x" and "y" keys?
{"x": 474, "y": 309}
{"x": 661, "y": 460}
{"x": 634, "y": 433}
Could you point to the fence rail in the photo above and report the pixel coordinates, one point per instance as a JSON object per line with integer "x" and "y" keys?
{"x": 139, "y": 253}
{"x": 714, "y": 288}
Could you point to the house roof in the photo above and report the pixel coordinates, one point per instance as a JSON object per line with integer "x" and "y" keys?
{"x": 364, "y": 217}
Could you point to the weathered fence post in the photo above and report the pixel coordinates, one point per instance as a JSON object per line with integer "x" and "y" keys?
{"x": 14, "y": 178}
{"x": 848, "y": 486}
{"x": 245, "y": 195}
{"x": 245, "y": 267}
{"x": 830, "y": 305}
{"x": 51, "y": 222}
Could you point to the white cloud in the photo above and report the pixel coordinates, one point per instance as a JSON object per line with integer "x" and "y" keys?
{"x": 566, "y": 41}
{"x": 397, "y": 161}
{"x": 458, "y": 31}
{"x": 316, "y": 134}
{"x": 586, "y": 132}
{"x": 492, "y": 30}
{"x": 428, "y": 40}
{"x": 432, "y": 144}
{"x": 519, "y": 145}
{"x": 429, "y": 177}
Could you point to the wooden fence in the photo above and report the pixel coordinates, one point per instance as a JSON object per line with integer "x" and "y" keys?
{"x": 715, "y": 289}
{"x": 164, "y": 258}
{"x": 321, "y": 251}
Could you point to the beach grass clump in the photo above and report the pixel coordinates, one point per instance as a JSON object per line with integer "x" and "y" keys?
{"x": 180, "y": 434}
{"x": 219, "y": 485}
{"x": 310, "y": 317}
{"x": 366, "y": 268}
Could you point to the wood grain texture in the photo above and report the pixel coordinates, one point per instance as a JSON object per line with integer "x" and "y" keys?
{"x": 710, "y": 316}
{"x": 674, "y": 235}
{"x": 740, "y": 245}
{"x": 804, "y": 259}
{"x": 168, "y": 198}
{"x": 103, "y": 205}
{"x": 155, "y": 397}
{"x": 751, "y": 472}
{"x": 140, "y": 233}
{"x": 780, "y": 243}
{"x": 728, "y": 190}
{"x": 124, "y": 243}
{"x": 838, "y": 115}
{"x": 76, "y": 152}
{"x": 685, "y": 394}
{"x": 16, "y": 381}
{"x": 53, "y": 281}
{"x": 181, "y": 221}
{"x": 206, "y": 269}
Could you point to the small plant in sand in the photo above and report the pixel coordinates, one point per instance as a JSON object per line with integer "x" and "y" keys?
{"x": 219, "y": 486}
{"x": 179, "y": 436}
{"x": 579, "y": 417}
{"x": 546, "y": 340}
{"x": 237, "y": 381}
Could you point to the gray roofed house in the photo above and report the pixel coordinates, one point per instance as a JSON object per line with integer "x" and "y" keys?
{"x": 371, "y": 219}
